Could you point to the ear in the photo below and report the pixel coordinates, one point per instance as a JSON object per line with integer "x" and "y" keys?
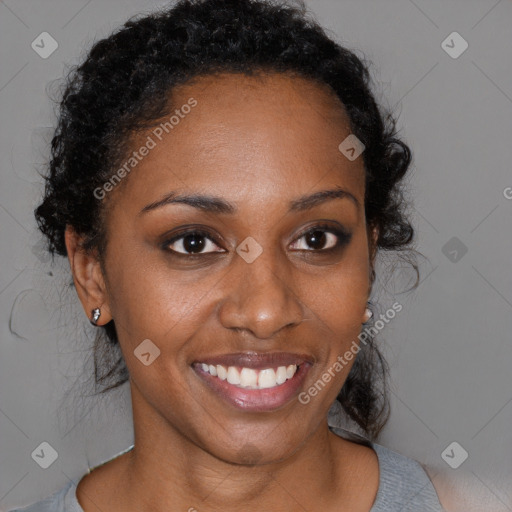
{"x": 87, "y": 276}
{"x": 373, "y": 237}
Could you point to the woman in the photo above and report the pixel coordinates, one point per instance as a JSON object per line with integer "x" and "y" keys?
{"x": 221, "y": 182}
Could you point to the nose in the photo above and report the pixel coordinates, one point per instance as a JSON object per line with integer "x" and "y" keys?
{"x": 262, "y": 298}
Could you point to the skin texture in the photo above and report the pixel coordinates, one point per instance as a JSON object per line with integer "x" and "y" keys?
{"x": 259, "y": 143}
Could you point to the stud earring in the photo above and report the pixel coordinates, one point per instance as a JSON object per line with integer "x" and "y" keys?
{"x": 96, "y": 313}
{"x": 367, "y": 314}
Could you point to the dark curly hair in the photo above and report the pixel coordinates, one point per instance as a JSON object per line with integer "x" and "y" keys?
{"x": 124, "y": 85}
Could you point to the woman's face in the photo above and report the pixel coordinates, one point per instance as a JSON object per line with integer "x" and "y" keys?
{"x": 261, "y": 286}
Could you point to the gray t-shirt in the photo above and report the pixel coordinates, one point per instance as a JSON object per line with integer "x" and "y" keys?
{"x": 403, "y": 486}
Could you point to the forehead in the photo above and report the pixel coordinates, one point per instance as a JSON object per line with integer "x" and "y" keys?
{"x": 263, "y": 105}
{"x": 256, "y": 132}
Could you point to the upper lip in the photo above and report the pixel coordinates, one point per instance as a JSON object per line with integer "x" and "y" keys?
{"x": 257, "y": 360}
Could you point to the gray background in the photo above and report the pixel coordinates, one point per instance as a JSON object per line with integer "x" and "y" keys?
{"x": 449, "y": 349}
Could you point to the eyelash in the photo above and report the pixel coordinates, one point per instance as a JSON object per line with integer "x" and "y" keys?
{"x": 343, "y": 240}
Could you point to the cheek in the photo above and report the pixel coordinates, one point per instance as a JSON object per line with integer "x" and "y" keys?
{"x": 340, "y": 295}
{"x": 151, "y": 301}
{"x": 340, "y": 304}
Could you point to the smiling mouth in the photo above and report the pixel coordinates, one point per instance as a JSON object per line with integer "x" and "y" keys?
{"x": 253, "y": 381}
{"x": 249, "y": 378}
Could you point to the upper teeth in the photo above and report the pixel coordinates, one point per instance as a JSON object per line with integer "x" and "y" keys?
{"x": 251, "y": 378}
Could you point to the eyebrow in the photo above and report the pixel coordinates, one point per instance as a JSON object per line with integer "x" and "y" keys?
{"x": 218, "y": 205}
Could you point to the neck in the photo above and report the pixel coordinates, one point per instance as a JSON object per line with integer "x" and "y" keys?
{"x": 167, "y": 471}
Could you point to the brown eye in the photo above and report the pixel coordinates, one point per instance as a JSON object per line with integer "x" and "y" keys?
{"x": 322, "y": 238}
{"x": 191, "y": 243}
{"x": 318, "y": 240}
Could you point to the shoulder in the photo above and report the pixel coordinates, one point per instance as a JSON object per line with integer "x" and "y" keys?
{"x": 63, "y": 500}
{"x": 403, "y": 484}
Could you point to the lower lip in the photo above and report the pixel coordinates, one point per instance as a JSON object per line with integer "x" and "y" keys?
{"x": 256, "y": 400}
